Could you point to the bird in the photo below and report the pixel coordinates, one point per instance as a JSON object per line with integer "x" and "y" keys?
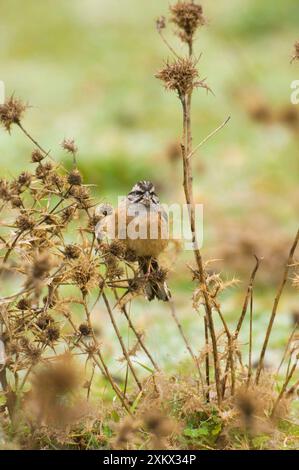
{"x": 141, "y": 222}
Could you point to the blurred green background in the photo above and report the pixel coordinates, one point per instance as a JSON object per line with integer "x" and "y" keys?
{"x": 87, "y": 70}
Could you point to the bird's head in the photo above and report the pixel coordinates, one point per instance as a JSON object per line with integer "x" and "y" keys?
{"x": 143, "y": 192}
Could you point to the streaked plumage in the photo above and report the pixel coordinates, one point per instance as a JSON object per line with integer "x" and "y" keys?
{"x": 142, "y": 223}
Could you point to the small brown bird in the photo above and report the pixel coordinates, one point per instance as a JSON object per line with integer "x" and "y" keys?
{"x": 142, "y": 223}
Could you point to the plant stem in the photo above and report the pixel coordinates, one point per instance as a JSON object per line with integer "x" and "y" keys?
{"x": 124, "y": 350}
{"x": 275, "y": 306}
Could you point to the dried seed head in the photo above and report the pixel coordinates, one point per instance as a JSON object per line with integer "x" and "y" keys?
{"x": 69, "y": 145}
{"x": 188, "y": 17}
{"x": 24, "y": 222}
{"x": 84, "y": 329}
{"x": 16, "y": 201}
{"x": 52, "y": 333}
{"x": 42, "y": 171}
{"x": 24, "y": 178}
{"x": 72, "y": 251}
{"x": 44, "y": 321}
{"x": 130, "y": 256}
{"x": 181, "y": 76}
{"x": 41, "y": 266}
{"x": 5, "y": 192}
{"x": 159, "y": 276}
{"x": 135, "y": 284}
{"x": 160, "y": 23}
{"x": 24, "y": 304}
{"x": 74, "y": 178}
{"x": 33, "y": 353}
{"x": 37, "y": 156}
{"x": 85, "y": 273}
{"x": 296, "y": 51}
{"x": 11, "y": 112}
{"x": 116, "y": 248}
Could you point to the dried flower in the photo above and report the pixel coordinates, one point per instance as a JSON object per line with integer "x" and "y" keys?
{"x": 74, "y": 178}
{"x": 24, "y": 304}
{"x": 296, "y": 51}
{"x": 24, "y": 178}
{"x": 24, "y": 222}
{"x": 84, "y": 329}
{"x": 72, "y": 251}
{"x": 37, "y": 156}
{"x": 44, "y": 321}
{"x": 160, "y": 275}
{"x": 16, "y": 201}
{"x": 160, "y": 23}
{"x": 69, "y": 146}
{"x": 11, "y": 112}
{"x": 52, "y": 333}
{"x": 5, "y": 192}
{"x": 181, "y": 76}
{"x": 116, "y": 248}
{"x": 188, "y": 17}
{"x": 42, "y": 171}
{"x": 85, "y": 273}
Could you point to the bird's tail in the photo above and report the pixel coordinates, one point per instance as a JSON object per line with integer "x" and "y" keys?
{"x": 155, "y": 286}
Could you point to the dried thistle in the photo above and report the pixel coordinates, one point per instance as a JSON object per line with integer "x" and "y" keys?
{"x": 44, "y": 321}
{"x": 70, "y": 146}
{"x": 74, "y": 178}
{"x": 52, "y": 333}
{"x": 188, "y": 17}
{"x": 181, "y": 76}
{"x": 296, "y": 51}
{"x": 72, "y": 251}
{"x": 37, "y": 156}
{"x": 11, "y": 112}
{"x": 161, "y": 23}
{"x": 24, "y": 222}
{"x": 24, "y": 304}
{"x": 84, "y": 329}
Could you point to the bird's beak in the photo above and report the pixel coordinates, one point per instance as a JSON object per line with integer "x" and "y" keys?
{"x": 147, "y": 200}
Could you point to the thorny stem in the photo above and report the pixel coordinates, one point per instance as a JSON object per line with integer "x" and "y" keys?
{"x": 195, "y": 359}
{"x": 230, "y": 349}
{"x": 101, "y": 362}
{"x": 188, "y": 189}
{"x": 275, "y": 306}
{"x": 287, "y": 346}
{"x": 32, "y": 139}
{"x": 284, "y": 387}
{"x": 168, "y": 45}
{"x": 207, "y": 360}
{"x": 123, "y": 347}
{"x": 138, "y": 335}
{"x": 242, "y": 316}
{"x": 250, "y": 340}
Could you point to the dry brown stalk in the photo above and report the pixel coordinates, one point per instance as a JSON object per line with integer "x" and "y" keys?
{"x": 284, "y": 387}
{"x": 138, "y": 335}
{"x": 121, "y": 342}
{"x": 242, "y": 316}
{"x": 189, "y": 349}
{"x": 207, "y": 359}
{"x": 275, "y": 306}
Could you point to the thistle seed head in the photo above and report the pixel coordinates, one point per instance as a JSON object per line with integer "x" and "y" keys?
{"x": 188, "y": 17}
{"x": 11, "y": 112}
